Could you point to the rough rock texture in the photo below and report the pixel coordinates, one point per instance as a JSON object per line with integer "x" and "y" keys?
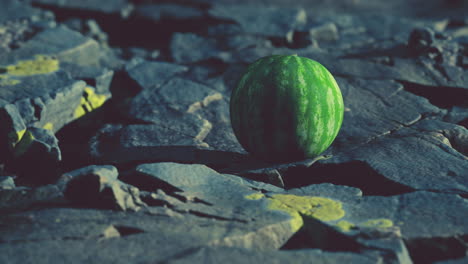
{"x": 116, "y": 144}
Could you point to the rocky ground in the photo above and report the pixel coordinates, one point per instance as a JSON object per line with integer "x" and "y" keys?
{"x": 116, "y": 144}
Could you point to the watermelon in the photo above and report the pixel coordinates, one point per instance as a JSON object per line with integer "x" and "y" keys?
{"x": 286, "y": 108}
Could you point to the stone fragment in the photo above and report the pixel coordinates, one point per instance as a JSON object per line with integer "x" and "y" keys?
{"x": 11, "y": 130}
{"x": 421, "y": 39}
{"x": 425, "y": 142}
{"x": 161, "y": 12}
{"x": 22, "y": 198}
{"x": 269, "y": 21}
{"x": 99, "y": 188}
{"x": 7, "y": 182}
{"x": 183, "y": 51}
{"x": 109, "y": 171}
{"x": 325, "y": 32}
{"x": 149, "y": 75}
{"x": 13, "y": 10}
{"x": 240, "y": 255}
{"x": 104, "y": 7}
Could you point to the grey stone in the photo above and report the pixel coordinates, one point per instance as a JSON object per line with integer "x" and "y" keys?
{"x": 105, "y": 7}
{"x": 13, "y": 10}
{"x": 240, "y": 255}
{"x": 158, "y": 12}
{"x": 325, "y": 32}
{"x": 183, "y": 51}
{"x": 267, "y": 21}
{"x": 425, "y": 142}
{"x": 109, "y": 171}
{"x": 12, "y": 128}
{"x": 99, "y": 188}
{"x": 23, "y": 198}
{"x": 7, "y": 182}
{"x": 152, "y": 74}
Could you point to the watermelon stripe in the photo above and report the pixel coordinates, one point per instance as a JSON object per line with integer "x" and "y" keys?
{"x": 300, "y": 122}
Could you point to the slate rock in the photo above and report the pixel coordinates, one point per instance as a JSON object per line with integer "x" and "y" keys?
{"x": 119, "y": 144}
{"x": 219, "y": 196}
{"x": 37, "y": 156}
{"x": 45, "y": 93}
{"x": 148, "y": 74}
{"x": 240, "y": 255}
{"x": 97, "y": 77}
{"x": 99, "y": 188}
{"x": 183, "y": 51}
{"x": 13, "y": 10}
{"x": 12, "y": 128}
{"x": 109, "y": 171}
{"x": 143, "y": 237}
{"x": 105, "y": 7}
{"x": 22, "y": 198}
{"x": 424, "y": 142}
{"x": 161, "y": 12}
{"x": 267, "y": 21}
{"x": 325, "y": 32}
{"x": 7, "y": 182}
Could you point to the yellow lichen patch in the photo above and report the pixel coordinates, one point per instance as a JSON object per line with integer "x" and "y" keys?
{"x": 255, "y": 196}
{"x": 49, "y": 126}
{"x": 344, "y": 226}
{"x": 23, "y": 144}
{"x": 94, "y": 100}
{"x": 7, "y": 81}
{"x": 40, "y": 65}
{"x": 378, "y": 223}
{"x": 321, "y": 208}
{"x": 15, "y": 137}
{"x": 89, "y": 102}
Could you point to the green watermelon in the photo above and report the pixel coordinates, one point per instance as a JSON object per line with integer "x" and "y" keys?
{"x": 286, "y": 108}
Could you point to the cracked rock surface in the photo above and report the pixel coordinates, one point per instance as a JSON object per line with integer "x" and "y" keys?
{"x": 116, "y": 144}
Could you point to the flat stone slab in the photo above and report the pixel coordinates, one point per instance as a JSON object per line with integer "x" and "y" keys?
{"x": 266, "y": 21}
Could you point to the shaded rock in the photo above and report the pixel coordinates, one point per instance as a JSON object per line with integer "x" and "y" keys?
{"x": 239, "y": 255}
{"x": 42, "y": 99}
{"x": 13, "y": 10}
{"x": 456, "y": 115}
{"x": 118, "y": 144}
{"x": 152, "y": 74}
{"x": 105, "y": 7}
{"x": 107, "y": 170}
{"x": 267, "y": 21}
{"x": 94, "y": 76}
{"x": 155, "y": 237}
{"x": 325, "y": 32}
{"x": 37, "y": 155}
{"x": 7, "y": 182}
{"x": 158, "y": 12}
{"x": 21, "y": 198}
{"x": 418, "y": 144}
{"x": 183, "y": 51}
{"x": 12, "y": 129}
{"x": 421, "y": 39}
{"x": 99, "y": 188}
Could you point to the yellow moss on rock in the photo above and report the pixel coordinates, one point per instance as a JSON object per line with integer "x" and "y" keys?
{"x": 40, "y": 65}
{"x": 49, "y": 126}
{"x": 24, "y": 143}
{"x": 323, "y": 209}
{"x": 5, "y": 80}
{"x": 255, "y": 196}
{"x": 89, "y": 102}
{"x": 345, "y": 226}
{"x": 378, "y": 223}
